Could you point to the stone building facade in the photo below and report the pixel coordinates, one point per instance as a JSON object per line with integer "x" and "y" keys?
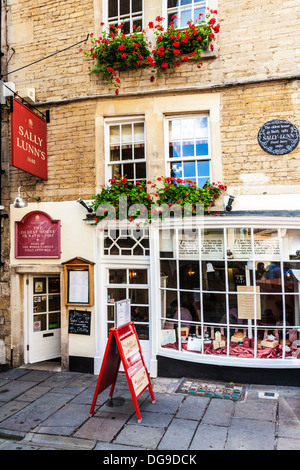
{"x": 249, "y": 79}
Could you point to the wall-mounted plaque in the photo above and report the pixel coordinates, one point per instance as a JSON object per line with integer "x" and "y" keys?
{"x": 37, "y": 235}
{"x": 278, "y": 137}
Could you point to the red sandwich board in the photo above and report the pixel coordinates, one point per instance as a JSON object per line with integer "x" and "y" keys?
{"x": 123, "y": 345}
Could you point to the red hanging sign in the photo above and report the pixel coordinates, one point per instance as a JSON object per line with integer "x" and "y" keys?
{"x": 28, "y": 140}
{"x": 37, "y": 235}
{"x": 123, "y": 345}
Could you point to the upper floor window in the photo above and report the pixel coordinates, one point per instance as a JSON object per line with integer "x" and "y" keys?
{"x": 188, "y": 153}
{"x": 185, "y": 10}
{"x": 126, "y": 12}
{"x": 126, "y": 150}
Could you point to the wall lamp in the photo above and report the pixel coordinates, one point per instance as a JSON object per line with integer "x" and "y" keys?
{"x": 19, "y": 202}
{"x": 90, "y": 216}
{"x": 229, "y": 203}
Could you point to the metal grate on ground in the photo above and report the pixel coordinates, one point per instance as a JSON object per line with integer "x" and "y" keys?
{"x": 206, "y": 389}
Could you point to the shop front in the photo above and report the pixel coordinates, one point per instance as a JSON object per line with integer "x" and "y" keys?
{"x": 229, "y": 295}
{"x": 209, "y": 294}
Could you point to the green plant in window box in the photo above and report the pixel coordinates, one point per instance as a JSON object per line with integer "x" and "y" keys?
{"x": 175, "y": 46}
{"x": 114, "y": 51}
{"x": 123, "y": 199}
{"x": 186, "y": 192}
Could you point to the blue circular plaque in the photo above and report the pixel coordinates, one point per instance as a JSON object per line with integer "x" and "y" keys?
{"x": 278, "y": 137}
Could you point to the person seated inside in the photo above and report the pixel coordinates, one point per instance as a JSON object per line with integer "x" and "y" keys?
{"x": 185, "y": 314}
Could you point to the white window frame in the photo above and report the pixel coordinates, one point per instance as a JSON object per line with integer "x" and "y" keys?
{"x": 231, "y": 222}
{"x": 120, "y": 121}
{"x": 173, "y": 11}
{"x": 195, "y": 159}
{"x": 131, "y": 16}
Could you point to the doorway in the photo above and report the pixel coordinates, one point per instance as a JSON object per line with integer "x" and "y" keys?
{"x": 43, "y": 318}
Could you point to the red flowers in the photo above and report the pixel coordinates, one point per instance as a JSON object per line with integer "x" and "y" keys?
{"x": 173, "y": 46}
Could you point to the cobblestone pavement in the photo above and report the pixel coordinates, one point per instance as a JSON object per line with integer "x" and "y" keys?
{"x": 42, "y": 409}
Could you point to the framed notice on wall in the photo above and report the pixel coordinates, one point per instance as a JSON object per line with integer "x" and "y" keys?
{"x": 79, "y": 282}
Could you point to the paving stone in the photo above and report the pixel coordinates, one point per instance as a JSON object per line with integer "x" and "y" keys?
{"x": 34, "y": 393}
{"x": 164, "y": 403}
{"x": 138, "y": 435}
{"x": 288, "y": 444}
{"x": 288, "y": 409}
{"x": 86, "y": 397}
{"x": 193, "y": 407}
{"x": 61, "y": 379}
{"x": 68, "y": 418}
{"x": 13, "y": 374}
{"x": 219, "y": 412}
{"x": 290, "y": 428}
{"x": 61, "y": 442}
{"x": 178, "y": 435}
{"x": 14, "y": 389}
{"x": 102, "y": 427}
{"x": 263, "y": 409}
{"x": 250, "y": 434}
{"x": 209, "y": 437}
{"x": 36, "y": 412}
{"x": 157, "y": 420}
{"x": 36, "y": 375}
{"x": 10, "y": 408}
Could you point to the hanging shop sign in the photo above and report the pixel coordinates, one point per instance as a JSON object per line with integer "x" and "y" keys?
{"x": 278, "y": 137}
{"x": 123, "y": 345}
{"x": 28, "y": 140}
{"x": 37, "y": 235}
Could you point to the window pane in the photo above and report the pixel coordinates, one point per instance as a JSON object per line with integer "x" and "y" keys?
{"x": 266, "y": 244}
{"x": 174, "y": 150}
{"x": 137, "y": 5}
{"x": 203, "y": 168}
{"x": 39, "y": 303}
{"x": 213, "y": 276}
{"x": 116, "y": 294}
{"x": 189, "y": 169}
{"x": 199, "y": 14}
{"x": 138, "y": 276}
{"x": 112, "y": 8}
{"x": 189, "y": 274}
{"x": 176, "y": 170}
{"x": 39, "y": 285}
{"x": 271, "y": 279}
{"x": 187, "y": 128}
{"x": 114, "y": 134}
{"x": 54, "y": 302}
{"x": 174, "y": 129}
{"x": 188, "y": 149}
{"x": 140, "y": 171}
{"x": 54, "y": 285}
{"x": 54, "y": 320}
{"x": 124, "y": 7}
{"x": 138, "y": 296}
{"x": 173, "y": 3}
{"x": 126, "y": 133}
{"x": 212, "y": 244}
{"x": 126, "y": 152}
{"x": 115, "y": 154}
{"x": 185, "y": 17}
{"x": 201, "y": 147}
{"x": 138, "y": 132}
{"x": 139, "y": 151}
{"x": 186, "y": 2}
{"x": 214, "y": 308}
{"x": 128, "y": 171}
{"x": 239, "y": 243}
{"x": 39, "y": 323}
{"x": 117, "y": 276}
{"x": 168, "y": 274}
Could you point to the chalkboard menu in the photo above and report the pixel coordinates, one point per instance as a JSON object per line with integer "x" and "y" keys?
{"x": 278, "y": 137}
{"x": 79, "y": 322}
